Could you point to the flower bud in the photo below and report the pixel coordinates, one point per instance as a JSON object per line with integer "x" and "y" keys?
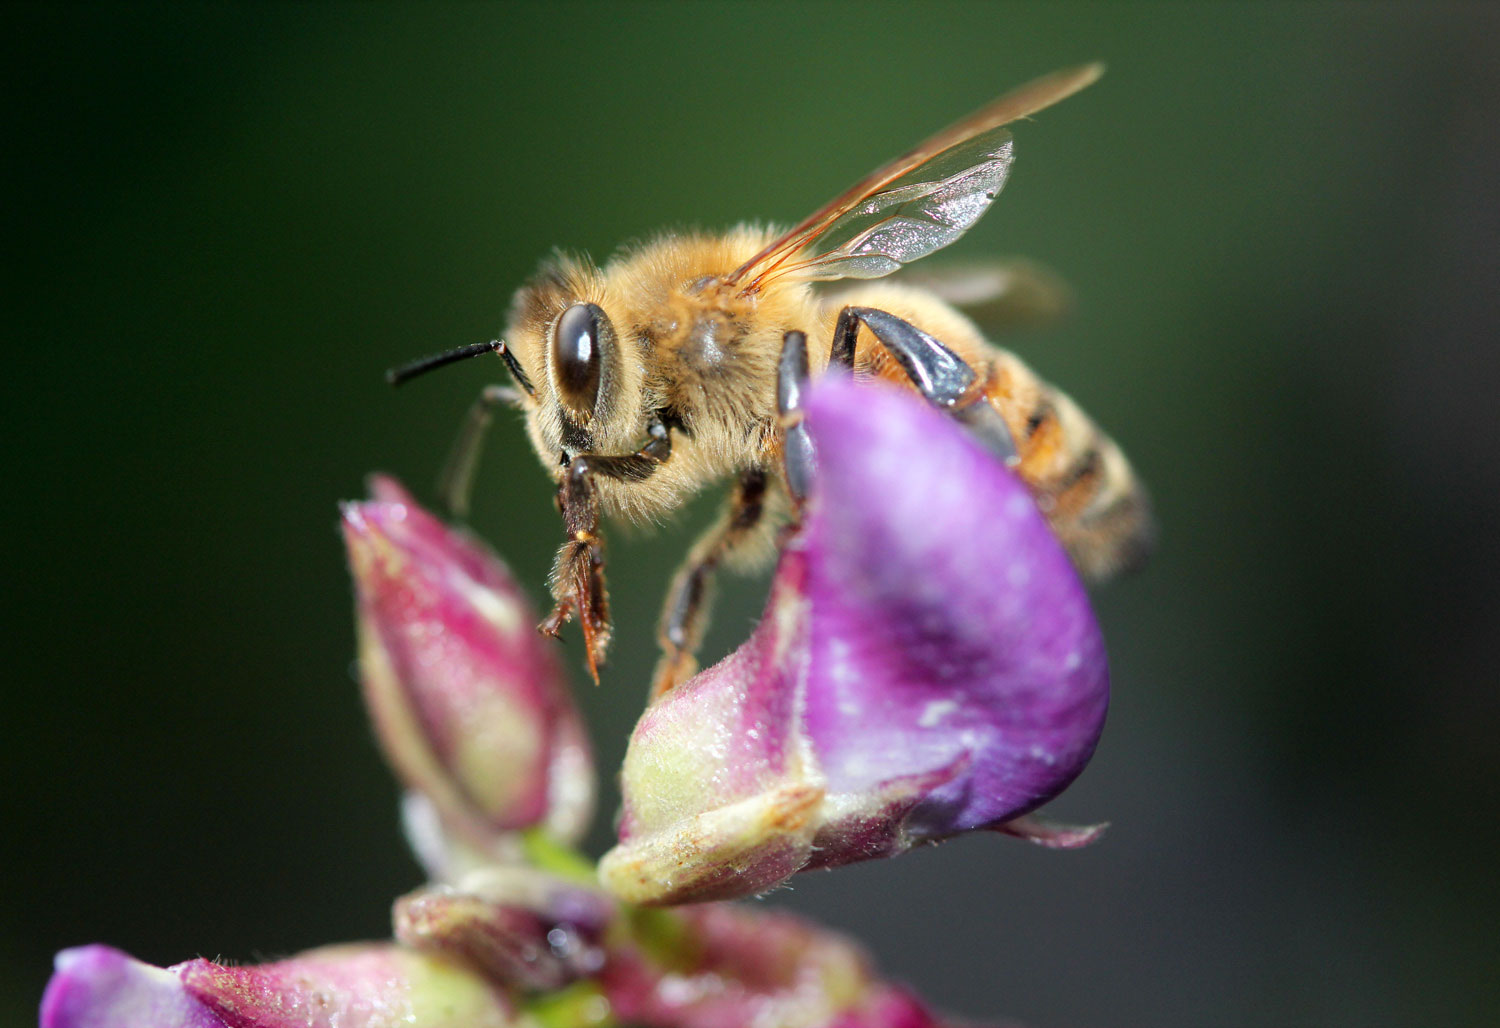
{"x": 927, "y": 664}
{"x": 374, "y": 985}
{"x": 469, "y": 703}
{"x": 518, "y": 926}
{"x": 698, "y": 967}
{"x": 724, "y": 964}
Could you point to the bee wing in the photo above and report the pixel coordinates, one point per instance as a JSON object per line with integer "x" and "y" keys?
{"x": 1010, "y": 293}
{"x": 909, "y": 221}
{"x": 918, "y": 203}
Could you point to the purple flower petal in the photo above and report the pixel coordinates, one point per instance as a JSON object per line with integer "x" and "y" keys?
{"x": 470, "y": 705}
{"x": 948, "y": 619}
{"x": 374, "y": 985}
{"x": 928, "y": 663}
{"x": 101, "y": 987}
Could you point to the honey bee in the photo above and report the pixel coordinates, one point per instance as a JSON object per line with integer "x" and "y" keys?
{"x": 682, "y": 362}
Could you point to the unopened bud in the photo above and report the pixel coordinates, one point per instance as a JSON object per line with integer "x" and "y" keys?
{"x": 469, "y": 703}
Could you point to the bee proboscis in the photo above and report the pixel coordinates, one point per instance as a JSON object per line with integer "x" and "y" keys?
{"x": 679, "y": 363}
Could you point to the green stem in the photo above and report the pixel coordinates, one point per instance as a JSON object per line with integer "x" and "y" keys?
{"x": 544, "y": 852}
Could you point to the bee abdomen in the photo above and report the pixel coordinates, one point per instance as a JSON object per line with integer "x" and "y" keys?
{"x": 1103, "y": 515}
{"x": 1082, "y": 481}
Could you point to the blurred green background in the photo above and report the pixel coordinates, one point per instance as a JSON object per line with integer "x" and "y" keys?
{"x": 1281, "y": 224}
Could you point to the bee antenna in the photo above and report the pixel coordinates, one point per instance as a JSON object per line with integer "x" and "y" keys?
{"x": 407, "y": 372}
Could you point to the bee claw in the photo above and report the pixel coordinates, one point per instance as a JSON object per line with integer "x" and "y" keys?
{"x": 551, "y": 625}
{"x": 671, "y": 671}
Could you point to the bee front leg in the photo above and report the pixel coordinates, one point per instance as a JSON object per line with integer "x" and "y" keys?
{"x": 689, "y": 603}
{"x": 936, "y": 372}
{"x": 578, "y": 571}
{"x": 578, "y": 586}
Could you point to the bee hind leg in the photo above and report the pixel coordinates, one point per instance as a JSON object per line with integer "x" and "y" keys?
{"x": 936, "y": 372}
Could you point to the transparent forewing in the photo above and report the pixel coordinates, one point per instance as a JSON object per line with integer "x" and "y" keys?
{"x": 918, "y": 166}
{"x": 914, "y": 216}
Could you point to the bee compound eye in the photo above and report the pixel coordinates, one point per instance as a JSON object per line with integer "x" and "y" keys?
{"x": 576, "y": 360}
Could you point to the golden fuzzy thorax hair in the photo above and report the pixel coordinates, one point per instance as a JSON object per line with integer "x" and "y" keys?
{"x": 680, "y": 347}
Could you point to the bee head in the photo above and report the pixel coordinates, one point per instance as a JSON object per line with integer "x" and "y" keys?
{"x": 587, "y": 386}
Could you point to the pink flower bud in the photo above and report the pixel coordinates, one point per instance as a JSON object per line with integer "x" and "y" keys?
{"x": 469, "y": 703}
{"x": 928, "y": 664}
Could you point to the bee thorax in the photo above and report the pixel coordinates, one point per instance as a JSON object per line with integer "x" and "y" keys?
{"x": 709, "y": 343}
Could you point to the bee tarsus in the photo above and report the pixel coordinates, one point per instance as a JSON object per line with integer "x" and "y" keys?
{"x": 939, "y": 374}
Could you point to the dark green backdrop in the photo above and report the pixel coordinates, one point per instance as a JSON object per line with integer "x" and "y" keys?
{"x": 224, "y": 222}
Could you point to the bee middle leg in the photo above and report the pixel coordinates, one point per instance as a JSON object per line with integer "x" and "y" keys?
{"x": 578, "y": 586}
{"x": 456, "y": 483}
{"x": 689, "y": 603}
{"x": 939, "y": 374}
